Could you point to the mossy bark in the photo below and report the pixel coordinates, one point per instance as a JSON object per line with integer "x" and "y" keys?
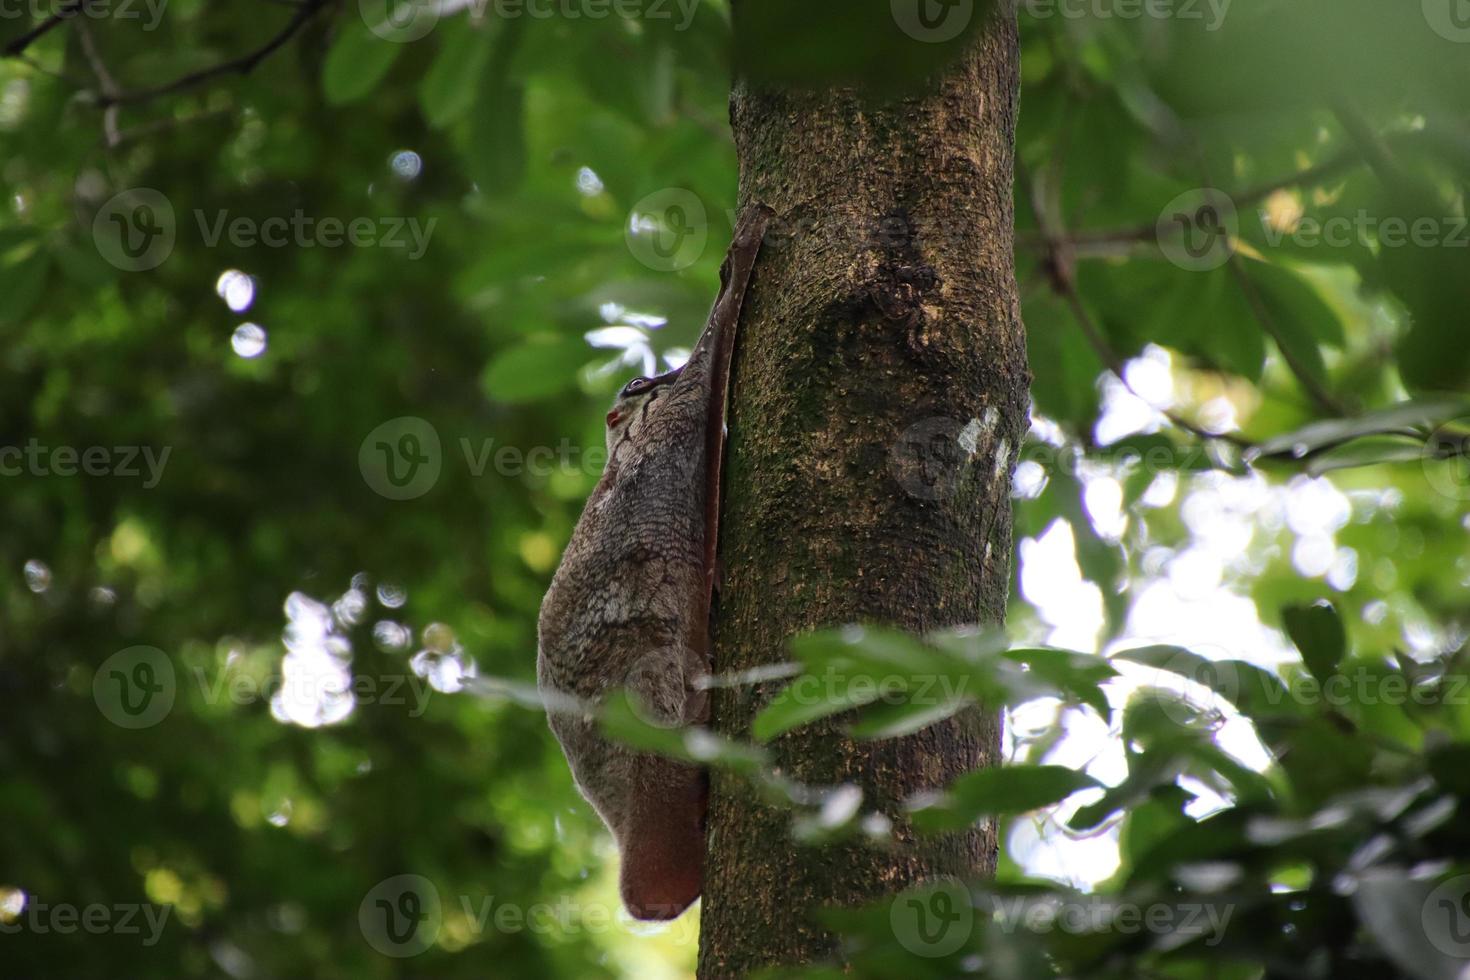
{"x": 880, "y": 393}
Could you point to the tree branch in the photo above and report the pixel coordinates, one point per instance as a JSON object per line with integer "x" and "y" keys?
{"x": 1325, "y": 400}
{"x": 64, "y": 11}
{"x": 1106, "y": 241}
{"x": 1060, "y": 264}
{"x": 242, "y": 65}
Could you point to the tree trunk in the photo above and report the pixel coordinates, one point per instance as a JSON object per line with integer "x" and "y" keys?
{"x": 880, "y": 395}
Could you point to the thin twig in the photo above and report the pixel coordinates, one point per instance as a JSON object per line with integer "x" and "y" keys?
{"x": 1115, "y": 364}
{"x": 242, "y": 65}
{"x": 1106, "y": 241}
{"x": 64, "y": 11}
{"x": 1060, "y": 264}
{"x": 166, "y": 124}
{"x": 1325, "y": 400}
{"x": 105, "y": 81}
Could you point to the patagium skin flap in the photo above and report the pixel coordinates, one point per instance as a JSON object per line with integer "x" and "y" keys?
{"x": 629, "y": 604}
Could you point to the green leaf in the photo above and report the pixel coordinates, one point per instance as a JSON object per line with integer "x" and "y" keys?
{"x": 923, "y": 682}
{"x": 356, "y": 63}
{"x": 450, "y": 85}
{"x": 538, "y": 368}
{"x": 497, "y": 144}
{"x": 1254, "y": 692}
{"x": 1065, "y": 366}
{"x": 879, "y": 647}
{"x": 1302, "y": 320}
{"x": 1369, "y": 451}
{"x": 23, "y": 279}
{"x": 1333, "y": 432}
{"x": 1079, "y": 675}
{"x": 1396, "y": 910}
{"x": 623, "y": 722}
{"x": 1318, "y": 632}
{"x": 801, "y": 704}
{"x": 1000, "y": 791}
{"x": 905, "y": 718}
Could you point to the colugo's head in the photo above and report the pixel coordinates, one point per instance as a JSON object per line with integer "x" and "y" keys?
{"x": 632, "y": 405}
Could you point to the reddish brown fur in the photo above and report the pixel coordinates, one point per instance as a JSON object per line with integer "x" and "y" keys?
{"x": 629, "y": 607}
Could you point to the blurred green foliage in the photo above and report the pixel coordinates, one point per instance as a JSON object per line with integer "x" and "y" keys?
{"x": 514, "y": 179}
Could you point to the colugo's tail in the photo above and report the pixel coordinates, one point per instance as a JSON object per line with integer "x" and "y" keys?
{"x": 663, "y": 852}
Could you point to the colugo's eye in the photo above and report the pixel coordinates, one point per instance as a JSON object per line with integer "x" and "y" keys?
{"x": 635, "y": 386}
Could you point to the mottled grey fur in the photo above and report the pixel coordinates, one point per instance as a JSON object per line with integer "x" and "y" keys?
{"x": 629, "y": 604}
